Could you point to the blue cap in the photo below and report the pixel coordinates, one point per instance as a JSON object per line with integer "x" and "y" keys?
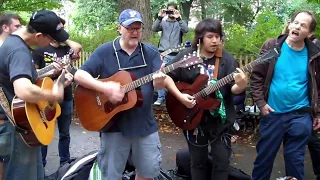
{"x": 129, "y": 16}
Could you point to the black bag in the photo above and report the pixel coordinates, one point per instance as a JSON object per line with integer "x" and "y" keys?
{"x": 183, "y": 167}
{"x": 75, "y": 169}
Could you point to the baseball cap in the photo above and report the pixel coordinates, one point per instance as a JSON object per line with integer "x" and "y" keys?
{"x": 129, "y": 16}
{"x": 47, "y": 22}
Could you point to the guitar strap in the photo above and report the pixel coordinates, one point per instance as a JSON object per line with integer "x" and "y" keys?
{"x": 6, "y": 108}
{"x": 217, "y": 63}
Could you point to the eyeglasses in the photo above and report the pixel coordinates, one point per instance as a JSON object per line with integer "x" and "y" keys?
{"x": 51, "y": 39}
{"x": 131, "y": 30}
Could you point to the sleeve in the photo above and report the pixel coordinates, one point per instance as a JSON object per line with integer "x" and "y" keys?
{"x": 318, "y": 87}
{"x": 37, "y": 58}
{"x": 258, "y": 76}
{"x": 19, "y": 65}
{"x": 156, "y": 63}
{"x": 156, "y": 26}
{"x": 176, "y": 74}
{"x": 183, "y": 25}
{"x": 93, "y": 65}
{"x": 231, "y": 68}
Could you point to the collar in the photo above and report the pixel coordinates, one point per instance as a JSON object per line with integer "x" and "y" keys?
{"x": 311, "y": 47}
{"x": 118, "y": 47}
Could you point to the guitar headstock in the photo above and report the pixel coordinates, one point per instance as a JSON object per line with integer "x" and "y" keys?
{"x": 189, "y": 60}
{"x": 268, "y": 55}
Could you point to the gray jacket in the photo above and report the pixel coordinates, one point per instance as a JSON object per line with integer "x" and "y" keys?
{"x": 171, "y": 32}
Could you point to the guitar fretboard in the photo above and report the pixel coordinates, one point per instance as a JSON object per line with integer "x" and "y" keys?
{"x": 45, "y": 70}
{"x": 145, "y": 79}
{"x": 229, "y": 78}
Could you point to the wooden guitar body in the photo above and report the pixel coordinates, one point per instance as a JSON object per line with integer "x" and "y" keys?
{"x": 96, "y": 112}
{"x": 189, "y": 118}
{"x": 37, "y": 119}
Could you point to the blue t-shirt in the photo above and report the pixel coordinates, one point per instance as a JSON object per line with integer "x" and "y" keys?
{"x": 138, "y": 121}
{"x": 289, "y": 85}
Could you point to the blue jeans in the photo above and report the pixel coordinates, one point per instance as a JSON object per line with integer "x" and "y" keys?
{"x": 64, "y": 121}
{"x": 162, "y": 93}
{"x": 293, "y": 129}
{"x": 314, "y": 149}
{"x": 20, "y": 160}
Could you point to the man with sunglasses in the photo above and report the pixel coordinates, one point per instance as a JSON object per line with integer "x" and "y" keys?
{"x": 17, "y": 78}
{"x": 136, "y": 131}
{"x": 42, "y": 57}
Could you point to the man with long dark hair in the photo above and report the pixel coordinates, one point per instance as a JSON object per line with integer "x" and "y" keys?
{"x": 214, "y": 129}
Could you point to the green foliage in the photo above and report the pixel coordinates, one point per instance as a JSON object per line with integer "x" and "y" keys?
{"x": 29, "y": 5}
{"x": 96, "y": 38}
{"x": 94, "y": 14}
{"x": 249, "y": 41}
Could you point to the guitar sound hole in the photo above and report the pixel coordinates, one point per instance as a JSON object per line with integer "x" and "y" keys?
{"x": 108, "y": 106}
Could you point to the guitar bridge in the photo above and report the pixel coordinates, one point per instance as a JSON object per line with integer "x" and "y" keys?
{"x": 98, "y": 100}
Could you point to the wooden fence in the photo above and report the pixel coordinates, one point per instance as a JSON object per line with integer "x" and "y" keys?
{"x": 243, "y": 59}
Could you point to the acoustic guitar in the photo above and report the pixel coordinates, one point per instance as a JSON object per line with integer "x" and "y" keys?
{"x": 97, "y": 113}
{"x": 36, "y": 121}
{"x": 189, "y": 118}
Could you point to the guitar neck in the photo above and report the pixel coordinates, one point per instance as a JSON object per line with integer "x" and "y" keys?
{"x": 227, "y": 79}
{"x": 145, "y": 79}
{"x": 45, "y": 70}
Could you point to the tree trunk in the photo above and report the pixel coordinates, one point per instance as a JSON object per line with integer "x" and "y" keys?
{"x": 186, "y": 6}
{"x": 143, "y": 6}
{"x": 203, "y": 9}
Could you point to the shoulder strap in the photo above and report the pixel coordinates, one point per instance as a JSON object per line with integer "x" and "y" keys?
{"x": 5, "y": 106}
{"x": 217, "y": 63}
{"x": 216, "y": 68}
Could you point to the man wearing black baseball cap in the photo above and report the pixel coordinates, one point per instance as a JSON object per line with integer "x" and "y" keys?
{"x": 48, "y": 23}
{"x": 17, "y": 78}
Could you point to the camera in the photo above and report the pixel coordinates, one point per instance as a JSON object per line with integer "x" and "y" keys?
{"x": 169, "y": 11}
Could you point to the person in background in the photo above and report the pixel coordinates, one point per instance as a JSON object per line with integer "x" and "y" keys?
{"x": 172, "y": 29}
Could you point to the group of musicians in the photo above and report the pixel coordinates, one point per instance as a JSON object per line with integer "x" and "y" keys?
{"x": 285, "y": 90}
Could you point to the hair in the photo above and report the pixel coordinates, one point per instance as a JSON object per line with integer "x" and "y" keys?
{"x": 172, "y": 4}
{"x": 62, "y": 21}
{"x": 30, "y": 29}
{"x": 313, "y": 23}
{"x": 6, "y": 19}
{"x": 207, "y": 25}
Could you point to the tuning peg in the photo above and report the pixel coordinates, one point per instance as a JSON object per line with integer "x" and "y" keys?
{"x": 185, "y": 56}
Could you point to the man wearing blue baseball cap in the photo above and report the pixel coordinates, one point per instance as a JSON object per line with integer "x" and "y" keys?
{"x": 17, "y": 78}
{"x": 135, "y": 133}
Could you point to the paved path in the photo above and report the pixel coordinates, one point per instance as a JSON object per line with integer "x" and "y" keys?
{"x": 83, "y": 142}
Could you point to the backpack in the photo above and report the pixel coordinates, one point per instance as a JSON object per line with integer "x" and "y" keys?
{"x": 183, "y": 167}
{"x": 75, "y": 168}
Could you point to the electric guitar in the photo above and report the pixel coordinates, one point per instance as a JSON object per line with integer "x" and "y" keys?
{"x": 96, "y": 112}
{"x": 176, "y": 49}
{"x": 188, "y": 119}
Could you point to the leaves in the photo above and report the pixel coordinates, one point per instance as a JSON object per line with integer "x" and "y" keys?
{"x": 30, "y": 5}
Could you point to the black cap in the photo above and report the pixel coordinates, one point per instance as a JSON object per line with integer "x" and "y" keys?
{"x": 47, "y": 22}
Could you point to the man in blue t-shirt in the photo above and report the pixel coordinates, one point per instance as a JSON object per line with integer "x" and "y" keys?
{"x": 136, "y": 132}
{"x": 287, "y": 91}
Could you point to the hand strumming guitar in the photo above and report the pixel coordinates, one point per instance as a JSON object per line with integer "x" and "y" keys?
{"x": 58, "y": 88}
{"x": 68, "y": 79}
{"x": 113, "y": 91}
{"x": 187, "y": 100}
